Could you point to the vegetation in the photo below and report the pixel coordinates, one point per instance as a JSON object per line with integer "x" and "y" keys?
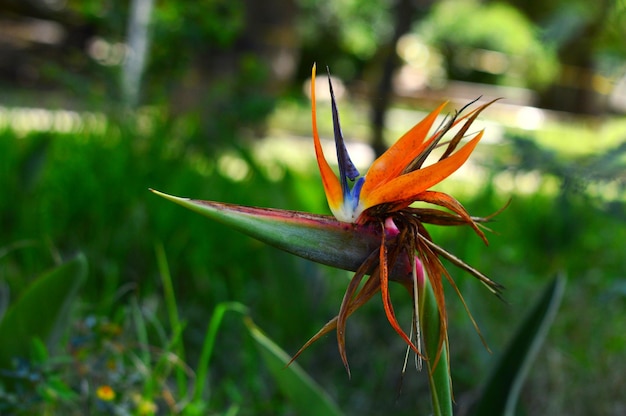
{"x": 163, "y": 312}
{"x": 157, "y": 277}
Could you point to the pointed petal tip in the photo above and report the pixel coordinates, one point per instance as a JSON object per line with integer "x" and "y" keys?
{"x": 332, "y": 186}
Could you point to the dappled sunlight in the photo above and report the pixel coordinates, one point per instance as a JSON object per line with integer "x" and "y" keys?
{"x": 526, "y": 183}
{"x": 321, "y": 85}
{"x": 607, "y": 192}
{"x": 277, "y": 153}
{"x": 106, "y": 53}
{"x": 24, "y": 120}
{"x": 233, "y": 167}
{"x": 530, "y": 118}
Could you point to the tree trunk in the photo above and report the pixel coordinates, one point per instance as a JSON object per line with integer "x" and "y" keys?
{"x": 405, "y": 13}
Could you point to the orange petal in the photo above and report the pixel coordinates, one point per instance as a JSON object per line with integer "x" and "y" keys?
{"x": 444, "y": 200}
{"x": 406, "y": 187}
{"x": 384, "y": 290}
{"x": 391, "y": 163}
{"x": 332, "y": 187}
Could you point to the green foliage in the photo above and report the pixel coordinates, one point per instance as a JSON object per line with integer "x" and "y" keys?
{"x": 345, "y": 34}
{"x": 199, "y": 403}
{"x": 359, "y": 26}
{"x": 306, "y": 396}
{"x": 184, "y": 33}
{"x": 153, "y": 324}
{"x": 203, "y": 63}
{"x": 500, "y": 394}
{"x": 206, "y": 66}
{"x": 154, "y": 329}
{"x": 466, "y": 29}
{"x": 216, "y": 21}
{"x": 90, "y": 191}
{"x": 41, "y": 312}
{"x": 599, "y": 175}
{"x": 33, "y": 325}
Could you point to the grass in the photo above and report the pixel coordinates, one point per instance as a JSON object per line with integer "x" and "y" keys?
{"x": 152, "y": 323}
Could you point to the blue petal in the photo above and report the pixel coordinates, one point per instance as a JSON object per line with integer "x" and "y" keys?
{"x": 355, "y": 194}
{"x": 347, "y": 170}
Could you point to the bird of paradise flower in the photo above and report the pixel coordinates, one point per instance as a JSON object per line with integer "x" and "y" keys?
{"x": 383, "y": 196}
{"x": 376, "y": 231}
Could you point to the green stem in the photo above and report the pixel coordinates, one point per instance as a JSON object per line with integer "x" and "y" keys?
{"x": 439, "y": 372}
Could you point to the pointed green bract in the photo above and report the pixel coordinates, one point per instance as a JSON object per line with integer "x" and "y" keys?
{"x": 320, "y": 238}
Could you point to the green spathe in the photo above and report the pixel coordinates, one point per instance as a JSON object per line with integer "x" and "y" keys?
{"x": 320, "y": 238}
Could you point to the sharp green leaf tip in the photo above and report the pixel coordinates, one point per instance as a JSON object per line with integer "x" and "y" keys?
{"x": 168, "y": 196}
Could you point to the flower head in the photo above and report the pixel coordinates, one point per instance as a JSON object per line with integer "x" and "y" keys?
{"x": 375, "y": 230}
{"x": 384, "y": 196}
{"x": 105, "y": 393}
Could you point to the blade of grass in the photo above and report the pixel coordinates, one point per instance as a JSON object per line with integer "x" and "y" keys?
{"x": 306, "y": 396}
{"x": 142, "y": 361}
{"x": 177, "y": 327}
{"x": 209, "y": 344}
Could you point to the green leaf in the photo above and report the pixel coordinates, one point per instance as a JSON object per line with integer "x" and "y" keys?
{"x": 41, "y": 311}
{"x": 500, "y": 393}
{"x": 305, "y": 395}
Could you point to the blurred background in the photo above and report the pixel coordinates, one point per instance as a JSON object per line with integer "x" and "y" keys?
{"x": 101, "y": 100}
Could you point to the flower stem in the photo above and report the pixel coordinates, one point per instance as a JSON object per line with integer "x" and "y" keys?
{"x": 439, "y": 371}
